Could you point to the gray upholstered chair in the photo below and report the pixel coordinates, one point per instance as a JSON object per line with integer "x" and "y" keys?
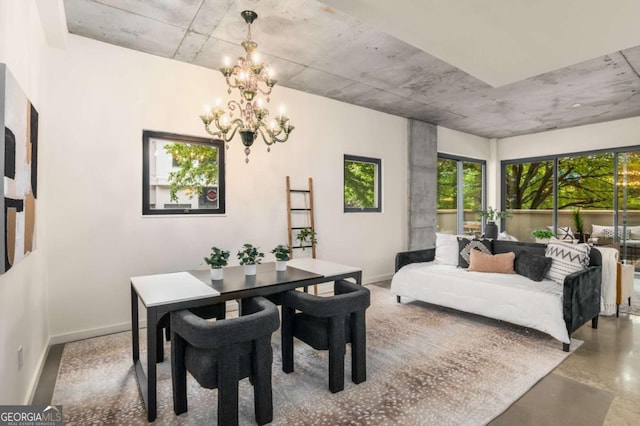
{"x": 217, "y": 311}
{"x": 328, "y": 323}
{"x": 218, "y": 354}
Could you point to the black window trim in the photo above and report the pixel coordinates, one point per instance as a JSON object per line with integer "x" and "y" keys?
{"x": 460, "y": 201}
{"x": 360, "y": 159}
{"x": 616, "y": 151}
{"x": 153, "y": 134}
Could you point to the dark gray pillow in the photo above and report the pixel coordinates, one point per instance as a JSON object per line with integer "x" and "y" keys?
{"x": 465, "y": 245}
{"x": 532, "y": 266}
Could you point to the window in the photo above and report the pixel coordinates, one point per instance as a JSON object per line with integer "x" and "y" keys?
{"x": 546, "y": 192}
{"x": 362, "y": 184}
{"x": 182, "y": 174}
{"x": 457, "y": 215}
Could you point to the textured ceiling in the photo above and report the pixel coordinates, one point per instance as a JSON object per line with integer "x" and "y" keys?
{"x": 320, "y": 50}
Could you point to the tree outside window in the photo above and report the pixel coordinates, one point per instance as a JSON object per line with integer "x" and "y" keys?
{"x": 182, "y": 174}
{"x": 362, "y": 184}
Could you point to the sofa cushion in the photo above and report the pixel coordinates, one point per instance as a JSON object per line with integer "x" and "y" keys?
{"x": 606, "y": 232}
{"x": 465, "y": 245}
{"x": 499, "y": 263}
{"x": 532, "y": 266}
{"x": 562, "y": 232}
{"x": 447, "y": 251}
{"x": 566, "y": 259}
{"x": 634, "y": 232}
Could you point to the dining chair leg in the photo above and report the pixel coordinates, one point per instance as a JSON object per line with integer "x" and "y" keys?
{"x": 178, "y": 375}
{"x": 262, "y": 393}
{"x": 358, "y": 347}
{"x": 336, "y": 353}
{"x": 286, "y": 336}
{"x": 228, "y": 372}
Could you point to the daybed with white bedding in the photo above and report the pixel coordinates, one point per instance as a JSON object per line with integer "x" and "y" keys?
{"x": 555, "y": 309}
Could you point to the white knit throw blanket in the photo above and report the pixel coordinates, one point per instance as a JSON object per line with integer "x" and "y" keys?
{"x": 609, "y": 271}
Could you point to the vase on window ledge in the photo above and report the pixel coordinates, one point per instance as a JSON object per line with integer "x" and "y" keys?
{"x": 491, "y": 230}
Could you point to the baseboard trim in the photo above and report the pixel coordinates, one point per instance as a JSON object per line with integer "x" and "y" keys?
{"x": 36, "y": 377}
{"x": 378, "y": 278}
{"x": 92, "y": 332}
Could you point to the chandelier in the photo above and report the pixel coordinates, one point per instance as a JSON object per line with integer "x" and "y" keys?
{"x": 247, "y": 116}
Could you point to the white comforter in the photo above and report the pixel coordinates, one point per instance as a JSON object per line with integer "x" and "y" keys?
{"x": 508, "y": 297}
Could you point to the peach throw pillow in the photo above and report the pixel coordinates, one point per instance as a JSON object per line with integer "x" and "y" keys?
{"x": 499, "y": 263}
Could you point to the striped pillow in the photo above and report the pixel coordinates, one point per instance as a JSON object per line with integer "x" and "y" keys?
{"x": 566, "y": 259}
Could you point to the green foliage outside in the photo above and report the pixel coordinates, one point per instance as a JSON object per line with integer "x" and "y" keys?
{"x": 359, "y": 184}
{"x": 198, "y": 168}
{"x": 448, "y": 184}
{"x": 583, "y": 182}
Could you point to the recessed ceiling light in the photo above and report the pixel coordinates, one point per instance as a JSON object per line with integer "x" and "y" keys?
{"x": 576, "y": 105}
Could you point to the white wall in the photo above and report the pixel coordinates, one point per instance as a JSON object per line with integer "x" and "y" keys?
{"x": 23, "y": 289}
{"x": 463, "y": 144}
{"x": 101, "y": 97}
{"x": 611, "y": 134}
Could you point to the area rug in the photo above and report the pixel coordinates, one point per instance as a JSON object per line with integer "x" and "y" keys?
{"x": 427, "y": 365}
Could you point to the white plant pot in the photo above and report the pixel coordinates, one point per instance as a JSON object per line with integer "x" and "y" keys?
{"x": 250, "y": 269}
{"x": 281, "y": 265}
{"x": 216, "y": 273}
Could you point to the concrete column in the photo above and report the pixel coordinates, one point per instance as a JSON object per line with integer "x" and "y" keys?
{"x": 423, "y": 184}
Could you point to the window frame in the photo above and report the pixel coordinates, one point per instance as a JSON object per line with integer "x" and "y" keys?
{"x": 147, "y": 135}
{"x": 616, "y": 151}
{"x": 460, "y": 160}
{"x": 377, "y": 162}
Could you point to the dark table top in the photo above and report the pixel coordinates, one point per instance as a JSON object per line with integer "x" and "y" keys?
{"x": 235, "y": 281}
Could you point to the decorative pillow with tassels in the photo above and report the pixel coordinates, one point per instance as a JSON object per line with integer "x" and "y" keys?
{"x": 566, "y": 259}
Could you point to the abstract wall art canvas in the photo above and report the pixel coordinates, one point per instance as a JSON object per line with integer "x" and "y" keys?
{"x": 18, "y": 159}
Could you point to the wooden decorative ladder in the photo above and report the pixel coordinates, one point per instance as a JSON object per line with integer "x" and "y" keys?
{"x": 307, "y": 211}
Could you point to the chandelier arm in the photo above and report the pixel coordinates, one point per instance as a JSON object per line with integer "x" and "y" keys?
{"x": 215, "y": 134}
{"x": 273, "y": 136}
{"x": 232, "y": 105}
{"x": 264, "y": 92}
{"x": 262, "y": 128}
{"x": 236, "y": 124}
{"x": 284, "y": 138}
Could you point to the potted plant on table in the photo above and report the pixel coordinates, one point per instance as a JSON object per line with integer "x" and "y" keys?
{"x": 282, "y": 254}
{"x": 542, "y": 235}
{"x": 491, "y": 215}
{"x": 217, "y": 260}
{"x": 307, "y": 237}
{"x": 249, "y": 257}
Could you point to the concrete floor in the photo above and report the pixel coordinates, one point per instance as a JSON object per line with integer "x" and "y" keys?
{"x": 599, "y": 384}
